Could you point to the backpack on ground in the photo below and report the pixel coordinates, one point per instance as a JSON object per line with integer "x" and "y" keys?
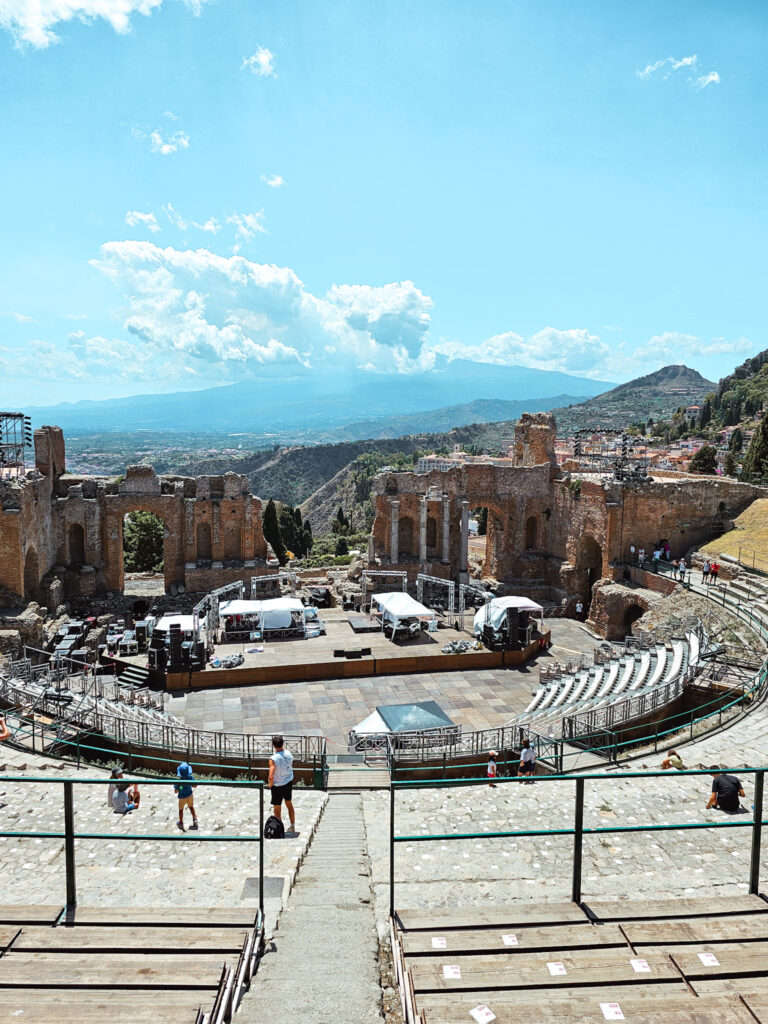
{"x": 274, "y": 828}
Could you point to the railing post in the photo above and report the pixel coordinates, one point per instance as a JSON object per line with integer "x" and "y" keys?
{"x": 392, "y": 852}
{"x": 578, "y": 836}
{"x": 69, "y": 845}
{"x": 757, "y": 829}
{"x": 261, "y": 849}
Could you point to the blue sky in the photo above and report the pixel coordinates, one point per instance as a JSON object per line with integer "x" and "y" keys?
{"x": 215, "y": 190}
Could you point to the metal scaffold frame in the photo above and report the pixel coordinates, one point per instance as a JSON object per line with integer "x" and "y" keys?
{"x": 209, "y": 607}
{"x": 422, "y": 578}
{"x": 15, "y": 438}
{"x": 383, "y": 574}
{"x": 284, "y": 576}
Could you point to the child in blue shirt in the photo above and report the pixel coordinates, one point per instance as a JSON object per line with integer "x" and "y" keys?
{"x": 184, "y": 793}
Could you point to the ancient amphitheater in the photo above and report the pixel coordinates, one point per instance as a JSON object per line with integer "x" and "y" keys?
{"x": 410, "y": 890}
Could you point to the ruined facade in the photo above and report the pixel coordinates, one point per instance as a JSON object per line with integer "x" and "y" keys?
{"x": 53, "y": 524}
{"x": 550, "y": 533}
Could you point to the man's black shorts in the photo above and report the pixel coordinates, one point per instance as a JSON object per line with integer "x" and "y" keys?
{"x": 280, "y": 793}
{"x": 526, "y": 768}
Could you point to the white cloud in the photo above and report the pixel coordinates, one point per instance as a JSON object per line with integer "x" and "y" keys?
{"x": 710, "y": 79}
{"x": 688, "y": 65}
{"x": 32, "y": 22}
{"x": 273, "y": 180}
{"x": 261, "y": 63}
{"x": 20, "y": 318}
{"x": 167, "y": 144}
{"x": 247, "y": 224}
{"x": 676, "y": 347}
{"x": 211, "y": 226}
{"x": 226, "y": 316}
{"x": 134, "y": 218}
{"x": 75, "y": 316}
{"x": 575, "y": 351}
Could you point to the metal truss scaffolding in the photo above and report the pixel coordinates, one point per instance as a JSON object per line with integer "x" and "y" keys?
{"x": 209, "y": 607}
{"x": 435, "y": 581}
{"x": 381, "y": 574}
{"x": 15, "y": 437}
{"x": 284, "y": 576}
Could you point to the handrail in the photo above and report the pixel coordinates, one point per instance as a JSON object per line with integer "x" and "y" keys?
{"x": 69, "y": 835}
{"x": 578, "y": 831}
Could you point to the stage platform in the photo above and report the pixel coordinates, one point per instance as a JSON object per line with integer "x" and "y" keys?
{"x": 683, "y": 961}
{"x": 341, "y": 653}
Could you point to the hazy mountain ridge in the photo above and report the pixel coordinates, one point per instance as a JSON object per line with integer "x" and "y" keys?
{"x": 655, "y": 395}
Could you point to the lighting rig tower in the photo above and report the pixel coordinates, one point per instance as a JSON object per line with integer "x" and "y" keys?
{"x": 15, "y": 438}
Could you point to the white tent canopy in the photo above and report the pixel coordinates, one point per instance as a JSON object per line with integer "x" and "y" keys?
{"x": 495, "y": 611}
{"x": 397, "y": 606}
{"x": 373, "y": 725}
{"x": 276, "y": 613}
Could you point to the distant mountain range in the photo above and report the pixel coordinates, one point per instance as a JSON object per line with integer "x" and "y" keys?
{"x": 312, "y": 403}
{"x": 482, "y": 410}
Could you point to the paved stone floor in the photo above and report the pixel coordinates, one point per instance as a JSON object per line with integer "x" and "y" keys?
{"x": 474, "y": 700}
{"x": 124, "y": 872}
{"x": 654, "y": 865}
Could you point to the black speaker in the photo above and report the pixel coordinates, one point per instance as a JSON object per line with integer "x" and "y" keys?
{"x": 157, "y": 659}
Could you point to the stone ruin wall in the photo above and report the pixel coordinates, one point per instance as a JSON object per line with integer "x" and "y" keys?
{"x": 53, "y": 524}
{"x": 551, "y": 535}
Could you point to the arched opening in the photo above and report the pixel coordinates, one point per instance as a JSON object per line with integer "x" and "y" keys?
{"x": 204, "y": 549}
{"x": 144, "y": 535}
{"x": 531, "y": 533}
{"x": 431, "y": 536}
{"x": 405, "y": 533}
{"x": 631, "y": 615}
{"x": 76, "y": 545}
{"x": 31, "y": 575}
{"x": 232, "y": 540}
{"x": 486, "y": 539}
{"x": 589, "y": 565}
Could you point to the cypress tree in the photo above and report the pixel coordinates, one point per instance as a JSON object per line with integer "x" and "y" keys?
{"x": 755, "y": 465}
{"x": 272, "y": 533}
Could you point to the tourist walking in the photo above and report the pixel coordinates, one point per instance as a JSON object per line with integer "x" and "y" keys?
{"x": 681, "y": 569}
{"x": 579, "y": 609}
{"x": 705, "y": 571}
{"x": 183, "y": 790}
{"x": 714, "y": 569}
{"x": 527, "y": 762}
{"x": 281, "y": 780}
{"x": 492, "y": 769}
{"x": 641, "y": 557}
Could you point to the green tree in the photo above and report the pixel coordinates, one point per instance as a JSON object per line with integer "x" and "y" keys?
{"x": 755, "y": 464}
{"x": 342, "y": 548}
{"x": 309, "y": 540}
{"x": 736, "y": 442}
{"x": 730, "y": 465}
{"x": 143, "y": 534}
{"x": 704, "y": 461}
{"x": 271, "y": 528}
{"x": 482, "y": 521}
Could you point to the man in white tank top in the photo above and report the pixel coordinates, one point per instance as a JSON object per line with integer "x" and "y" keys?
{"x": 281, "y": 780}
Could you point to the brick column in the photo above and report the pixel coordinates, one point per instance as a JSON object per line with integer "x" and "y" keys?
{"x": 394, "y": 535}
{"x": 423, "y": 530}
{"x": 446, "y": 530}
{"x": 464, "y": 557}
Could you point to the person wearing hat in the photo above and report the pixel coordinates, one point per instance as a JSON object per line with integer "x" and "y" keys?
{"x": 184, "y": 793}
{"x": 527, "y": 762}
{"x": 492, "y": 755}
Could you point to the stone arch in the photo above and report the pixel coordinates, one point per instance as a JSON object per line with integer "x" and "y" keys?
{"x": 76, "y": 545}
{"x": 631, "y": 614}
{"x": 531, "y": 533}
{"x": 233, "y": 535}
{"x": 163, "y": 509}
{"x": 405, "y": 535}
{"x": 204, "y": 546}
{"x": 31, "y": 574}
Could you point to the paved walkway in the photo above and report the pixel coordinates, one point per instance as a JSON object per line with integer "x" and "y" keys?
{"x": 322, "y": 964}
{"x": 124, "y": 872}
{"x": 480, "y": 699}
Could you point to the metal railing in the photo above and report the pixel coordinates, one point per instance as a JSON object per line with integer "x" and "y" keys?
{"x": 70, "y": 836}
{"x": 578, "y": 830}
